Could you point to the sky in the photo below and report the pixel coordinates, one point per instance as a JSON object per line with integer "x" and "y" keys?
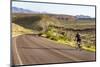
{"x": 57, "y": 8}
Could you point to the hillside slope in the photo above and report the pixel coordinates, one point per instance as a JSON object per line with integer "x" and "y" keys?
{"x": 32, "y": 24}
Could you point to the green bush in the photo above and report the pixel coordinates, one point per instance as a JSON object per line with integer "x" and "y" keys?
{"x": 52, "y": 34}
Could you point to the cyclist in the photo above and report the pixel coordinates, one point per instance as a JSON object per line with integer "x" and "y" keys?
{"x": 78, "y": 39}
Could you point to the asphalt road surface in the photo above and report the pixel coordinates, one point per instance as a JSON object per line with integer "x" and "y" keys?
{"x": 31, "y": 49}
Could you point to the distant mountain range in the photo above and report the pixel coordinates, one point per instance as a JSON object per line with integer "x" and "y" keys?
{"x": 22, "y": 10}
{"x": 82, "y": 16}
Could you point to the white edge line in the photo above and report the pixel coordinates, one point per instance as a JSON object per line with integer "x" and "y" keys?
{"x": 18, "y": 54}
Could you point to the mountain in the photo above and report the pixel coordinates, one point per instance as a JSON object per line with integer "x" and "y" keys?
{"x": 22, "y": 10}
{"x": 82, "y": 16}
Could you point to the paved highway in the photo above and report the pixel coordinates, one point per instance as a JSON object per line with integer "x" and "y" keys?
{"x": 31, "y": 49}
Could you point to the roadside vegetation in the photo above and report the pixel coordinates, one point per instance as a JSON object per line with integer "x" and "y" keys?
{"x": 68, "y": 38}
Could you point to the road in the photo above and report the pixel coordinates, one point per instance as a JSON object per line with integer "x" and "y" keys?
{"x": 31, "y": 49}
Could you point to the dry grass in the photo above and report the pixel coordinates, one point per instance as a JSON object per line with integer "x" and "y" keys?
{"x": 19, "y": 30}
